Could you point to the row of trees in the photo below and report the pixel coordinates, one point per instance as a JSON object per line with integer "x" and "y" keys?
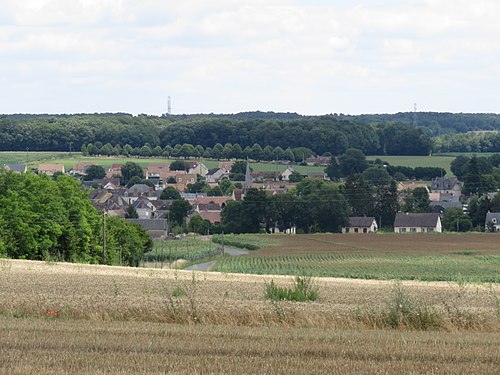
{"x": 228, "y": 151}
{"x": 379, "y": 172}
{"x": 479, "y": 174}
{"x": 314, "y": 206}
{"x": 44, "y": 218}
{"x": 320, "y": 134}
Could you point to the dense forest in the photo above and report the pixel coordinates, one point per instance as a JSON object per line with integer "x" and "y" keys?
{"x": 52, "y": 219}
{"x": 334, "y": 134}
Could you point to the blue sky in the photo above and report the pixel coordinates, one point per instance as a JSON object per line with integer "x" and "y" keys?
{"x": 222, "y": 56}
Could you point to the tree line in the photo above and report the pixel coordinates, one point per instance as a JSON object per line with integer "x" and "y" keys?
{"x": 320, "y": 134}
{"x": 43, "y": 218}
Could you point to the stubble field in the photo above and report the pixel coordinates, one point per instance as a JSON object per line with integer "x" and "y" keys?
{"x": 70, "y": 318}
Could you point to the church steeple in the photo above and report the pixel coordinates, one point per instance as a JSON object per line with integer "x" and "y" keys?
{"x": 248, "y": 179}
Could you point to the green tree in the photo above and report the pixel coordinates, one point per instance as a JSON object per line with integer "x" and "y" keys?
{"x": 417, "y": 201}
{"x": 130, "y": 170}
{"x": 179, "y": 210}
{"x": 359, "y": 195}
{"x": 353, "y": 161}
{"x": 178, "y": 165}
{"x": 131, "y": 213}
{"x": 94, "y": 172}
{"x": 170, "y": 193}
{"x": 454, "y": 220}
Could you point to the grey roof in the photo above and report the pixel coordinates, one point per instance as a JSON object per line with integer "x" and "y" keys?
{"x": 16, "y": 167}
{"x": 444, "y": 183}
{"x": 416, "y": 220}
{"x": 139, "y": 188}
{"x": 438, "y": 205}
{"x": 492, "y": 215}
{"x": 151, "y": 224}
{"x": 361, "y": 222}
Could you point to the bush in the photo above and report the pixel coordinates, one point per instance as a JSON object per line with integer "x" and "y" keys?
{"x": 302, "y": 290}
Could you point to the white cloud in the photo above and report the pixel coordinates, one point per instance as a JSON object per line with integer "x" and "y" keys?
{"x": 231, "y": 55}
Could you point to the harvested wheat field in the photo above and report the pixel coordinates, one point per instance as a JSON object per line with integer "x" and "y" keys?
{"x": 71, "y": 318}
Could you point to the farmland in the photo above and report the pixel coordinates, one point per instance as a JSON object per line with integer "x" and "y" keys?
{"x": 35, "y": 158}
{"x": 438, "y": 257}
{"x": 188, "y": 248}
{"x": 442, "y": 161}
{"x": 53, "y": 315}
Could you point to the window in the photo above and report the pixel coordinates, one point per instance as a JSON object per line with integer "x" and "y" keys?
{"x": 347, "y": 230}
{"x": 402, "y": 230}
{"x": 494, "y": 220}
{"x": 365, "y": 230}
{"x": 355, "y": 230}
{"x": 413, "y": 230}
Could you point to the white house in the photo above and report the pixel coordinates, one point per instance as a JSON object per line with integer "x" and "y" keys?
{"x": 417, "y": 223}
{"x": 492, "y": 221}
{"x": 361, "y": 225}
{"x": 285, "y": 176}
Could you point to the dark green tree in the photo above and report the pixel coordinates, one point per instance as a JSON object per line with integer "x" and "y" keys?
{"x": 170, "y": 193}
{"x": 94, "y": 172}
{"x": 130, "y": 170}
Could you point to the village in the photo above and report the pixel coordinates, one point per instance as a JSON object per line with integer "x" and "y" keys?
{"x": 148, "y": 202}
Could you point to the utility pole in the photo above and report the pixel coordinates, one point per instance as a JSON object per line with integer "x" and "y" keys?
{"x": 70, "y": 144}
{"x": 222, "y": 243}
{"x": 27, "y": 157}
{"x": 104, "y": 252}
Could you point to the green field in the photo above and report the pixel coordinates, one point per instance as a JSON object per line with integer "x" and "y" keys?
{"x": 418, "y": 161}
{"x": 33, "y": 158}
{"x": 438, "y": 257}
{"x": 188, "y": 248}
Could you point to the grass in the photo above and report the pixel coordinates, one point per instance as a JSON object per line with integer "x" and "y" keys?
{"x": 188, "y": 248}
{"x": 69, "y": 162}
{"x": 62, "y": 347}
{"x": 34, "y": 158}
{"x": 302, "y": 290}
{"x": 439, "y": 257}
{"x": 163, "y": 321}
{"x": 246, "y": 241}
{"x": 419, "y": 161}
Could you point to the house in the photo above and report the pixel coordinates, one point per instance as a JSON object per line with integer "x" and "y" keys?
{"x": 226, "y": 165}
{"x": 318, "y": 160}
{"x": 184, "y": 179}
{"x": 410, "y": 186}
{"x": 144, "y": 207}
{"x": 285, "y": 175}
{"x": 447, "y": 185}
{"x": 51, "y": 169}
{"x": 492, "y": 222}
{"x": 318, "y": 175}
{"x": 18, "y": 168}
{"x": 417, "y": 223}
{"x": 361, "y": 225}
{"x": 209, "y": 211}
{"x": 216, "y": 175}
{"x": 81, "y": 168}
{"x": 441, "y": 206}
{"x": 114, "y": 171}
{"x": 111, "y": 202}
{"x": 197, "y": 168}
{"x": 156, "y": 228}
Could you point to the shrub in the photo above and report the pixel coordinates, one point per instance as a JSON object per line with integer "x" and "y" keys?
{"x": 302, "y": 290}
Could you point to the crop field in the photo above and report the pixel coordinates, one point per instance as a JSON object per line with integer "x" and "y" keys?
{"x": 418, "y": 161}
{"x": 188, "y": 248}
{"x": 34, "y": 158}
{"x": 245, "y": 241}
{"x": 69, "y": 162}
{"x": 60, "y": 318}
{"x": 436, "y": 257}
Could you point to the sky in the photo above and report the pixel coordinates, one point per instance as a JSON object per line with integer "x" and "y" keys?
{"x": 226, "y": 56}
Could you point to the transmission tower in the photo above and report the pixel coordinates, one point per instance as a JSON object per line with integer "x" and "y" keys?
{"x": 415, "y": 115}
{"x": 169, "y": 106}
